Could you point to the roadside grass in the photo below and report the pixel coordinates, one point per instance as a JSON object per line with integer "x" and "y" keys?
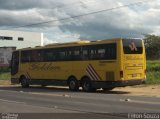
{"x": 153, "y": 72}
{"x": 5, "y": 76}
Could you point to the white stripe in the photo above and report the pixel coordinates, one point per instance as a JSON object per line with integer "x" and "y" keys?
{"x": 27, "y": 76}
{"x": 94, "y": 73}
{"x": 10, "y": 101}
{"x": 90, "y": 75}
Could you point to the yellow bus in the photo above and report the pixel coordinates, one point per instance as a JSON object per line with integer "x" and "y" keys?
{"x": 91, "y": 65}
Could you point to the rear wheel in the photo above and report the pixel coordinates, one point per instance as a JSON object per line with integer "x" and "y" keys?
{"x": 87, "y": 85}
{"x": 24, "y": 82}
{"x": 73, "y": 84}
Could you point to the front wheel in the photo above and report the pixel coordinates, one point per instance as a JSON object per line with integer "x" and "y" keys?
{"x": 24, "y": 82}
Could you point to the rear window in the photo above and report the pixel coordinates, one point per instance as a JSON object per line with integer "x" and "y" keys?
{"x": 132, "y": 46}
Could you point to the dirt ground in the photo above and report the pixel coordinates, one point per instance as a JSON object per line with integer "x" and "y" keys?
{"x": 5, "y": 82}
{"x": 143, "y": 90}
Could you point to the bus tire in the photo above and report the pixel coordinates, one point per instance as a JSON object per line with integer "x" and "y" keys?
{"x": 87, "y": 85}
{"x": 24, "y": 82}
{"x": 73, "y": 84}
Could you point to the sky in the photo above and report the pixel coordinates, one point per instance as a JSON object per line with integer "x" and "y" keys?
{"x": 115, "y": 21}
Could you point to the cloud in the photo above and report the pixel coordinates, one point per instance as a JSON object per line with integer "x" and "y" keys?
{"x": 47, "y": 41}
{"x": 124, "y": 22}
{"x": 132, "y": 21}
{"x": 55, "y": 35}
{"x": 18, "y": 18}
{"x": 27, "y": 4}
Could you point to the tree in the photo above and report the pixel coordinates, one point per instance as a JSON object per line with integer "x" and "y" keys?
{"x": 152, "y": 45}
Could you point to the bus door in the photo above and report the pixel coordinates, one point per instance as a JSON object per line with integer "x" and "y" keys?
{"x": 15, "y": 62}
{"x": 134, "y": 60}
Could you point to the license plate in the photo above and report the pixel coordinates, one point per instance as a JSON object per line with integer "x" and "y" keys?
{"x": 134, "y": 75}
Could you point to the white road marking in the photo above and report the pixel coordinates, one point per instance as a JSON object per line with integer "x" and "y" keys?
{"x": 11, "y": 101}
{"x": 48, "y": 94}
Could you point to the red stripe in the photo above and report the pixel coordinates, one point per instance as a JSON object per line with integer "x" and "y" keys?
{"x": 98, "y": 77}
{"x": 90, "y": 75}
{"x": 93, "y": 73}
{"x": 28, "y": 76}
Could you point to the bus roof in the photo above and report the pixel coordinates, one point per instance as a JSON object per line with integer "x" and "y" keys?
{"x": 76, "y": 43}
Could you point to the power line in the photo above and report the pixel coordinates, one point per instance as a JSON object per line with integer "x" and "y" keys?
{"x": 82, "y": 15}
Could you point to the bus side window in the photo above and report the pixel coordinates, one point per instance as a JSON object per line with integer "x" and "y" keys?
{"x": 84, "y": 54}
{"x": 76, "y": 53}
{"x": 101, "y": 53}
{"x": 25, "y": 56}
{"x": 40, "y": 56}
{"x": 93, "y": 54}
{"x": 16, "y": 58}
{"x": 110, "y": 51}
{"x": 33, "y": 56}
{"x": 15, "y": 62}
{"x": 49, "y": 55}
{"x": 69, "y": 54}
{"x": 62, "y": 55}
{"x": 37, "y": 56}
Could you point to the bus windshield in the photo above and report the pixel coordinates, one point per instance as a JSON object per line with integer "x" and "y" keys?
{"x": 132, "y": 46}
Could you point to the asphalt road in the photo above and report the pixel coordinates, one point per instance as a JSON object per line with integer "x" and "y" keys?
{"x": 54, "y": 102}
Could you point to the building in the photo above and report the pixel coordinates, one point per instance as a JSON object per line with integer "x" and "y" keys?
{"x": 5, "y": 56}
{"x": 12, "y": 40}
{"x": 20, "y": 39}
